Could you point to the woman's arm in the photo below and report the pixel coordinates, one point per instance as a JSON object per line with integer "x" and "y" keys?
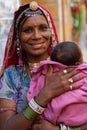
{"x": 55, "y": 85}
{"x": 45, "y": 125}
{"x": 10, "y": 120}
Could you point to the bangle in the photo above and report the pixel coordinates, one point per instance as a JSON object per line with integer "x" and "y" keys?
{"x": 36, "y": 107}
{"x": 74, "y": 128}
{"x": 63, "y": 127}
{"x": 7, "y": 109}
{"x": 29, "y": 114}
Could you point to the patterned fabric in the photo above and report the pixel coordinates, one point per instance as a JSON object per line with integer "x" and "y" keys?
{"x": 14, "y": 86}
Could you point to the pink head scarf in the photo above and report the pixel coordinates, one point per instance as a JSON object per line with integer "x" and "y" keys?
{"x": 11, "y": 57}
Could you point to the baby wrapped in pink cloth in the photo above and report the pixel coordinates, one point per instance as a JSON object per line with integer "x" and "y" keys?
{"x": 69, "y": 108}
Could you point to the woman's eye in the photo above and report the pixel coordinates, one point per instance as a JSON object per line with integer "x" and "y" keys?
{"x": 27, "y": 30}
{"x": 44, "y": 28}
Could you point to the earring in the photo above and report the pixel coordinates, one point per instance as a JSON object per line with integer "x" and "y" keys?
{"x": 18, "y": 51}
{"x": 18, "y": 44}
{"x": 18, "y": 48}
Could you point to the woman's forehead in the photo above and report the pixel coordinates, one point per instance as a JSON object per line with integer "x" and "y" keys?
{"x": 36, "y": 19}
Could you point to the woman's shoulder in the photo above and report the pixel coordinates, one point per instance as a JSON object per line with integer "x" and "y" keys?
{"x": 13, "y": 70}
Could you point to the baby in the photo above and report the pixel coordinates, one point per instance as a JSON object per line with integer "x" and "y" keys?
{"x": 69, "y": 108}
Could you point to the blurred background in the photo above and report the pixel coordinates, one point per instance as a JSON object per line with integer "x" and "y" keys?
{"x": 70, "y": 17}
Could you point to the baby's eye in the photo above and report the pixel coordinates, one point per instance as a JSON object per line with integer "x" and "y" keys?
{"x": 44, "y": 27}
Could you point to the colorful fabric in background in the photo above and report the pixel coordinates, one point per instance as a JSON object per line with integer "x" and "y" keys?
{"x": 78, "y": 19}
{"x": 86, "y": 9}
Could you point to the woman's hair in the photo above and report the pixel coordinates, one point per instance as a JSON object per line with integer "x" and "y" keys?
{"x": 11, "y": 56}
{"x": 29, "y": 10}
{"x": 68, "y": 53}
{"x": 22, "y": 14}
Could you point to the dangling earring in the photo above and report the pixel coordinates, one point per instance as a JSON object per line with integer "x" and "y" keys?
{"x": 51, "y": 46}
{"x": 18, "y": 51}
{"x": 18, "y": 47}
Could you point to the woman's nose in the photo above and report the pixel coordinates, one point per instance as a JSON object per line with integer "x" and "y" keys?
{"x": 37, "y": 34}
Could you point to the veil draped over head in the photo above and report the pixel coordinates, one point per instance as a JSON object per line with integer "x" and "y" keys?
{"x": 10, "y": 56}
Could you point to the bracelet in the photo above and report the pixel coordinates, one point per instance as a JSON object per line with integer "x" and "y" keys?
{"x": 74, "y": 128}
{"x": 7, "y": 109}
{"x": 64, "y": 127}
{"x": 36, "y": 107}
{"x": 29, "y": 114}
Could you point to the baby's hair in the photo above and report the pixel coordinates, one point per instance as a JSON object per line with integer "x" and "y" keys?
{"x": 68, "y": 53}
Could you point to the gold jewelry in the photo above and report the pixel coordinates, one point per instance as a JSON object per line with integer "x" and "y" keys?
{"x": 33, "y": 5}
{"x": 26, "y": 71}
{"x": 29, "y": 66}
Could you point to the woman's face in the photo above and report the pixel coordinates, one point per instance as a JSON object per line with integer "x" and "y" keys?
{"x": 35, "y": 36}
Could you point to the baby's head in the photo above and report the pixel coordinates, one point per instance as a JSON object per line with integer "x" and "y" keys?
{"x": 67, "y": 53}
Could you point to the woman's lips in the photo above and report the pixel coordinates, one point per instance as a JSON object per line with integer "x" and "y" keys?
{"x": 38, "y": 45}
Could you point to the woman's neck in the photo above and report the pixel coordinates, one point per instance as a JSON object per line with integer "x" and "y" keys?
{"x": 33, "y": 62}
{"x": 37, "y": 59}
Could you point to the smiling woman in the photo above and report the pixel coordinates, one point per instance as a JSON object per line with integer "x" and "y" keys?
{"x": 35, "y": 36}
{"x": 30, "y": 40}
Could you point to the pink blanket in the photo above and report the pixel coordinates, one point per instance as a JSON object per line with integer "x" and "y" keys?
{"x": 71, "y": 107}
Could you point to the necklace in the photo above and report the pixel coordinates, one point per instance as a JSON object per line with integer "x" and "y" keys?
{"x": 29, "y": 66}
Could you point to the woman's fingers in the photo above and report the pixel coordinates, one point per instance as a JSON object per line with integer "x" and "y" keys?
{"x": 65, "y": 71}
{"x": 61, "y": 82}
{"x": 50, "y": 70}
{"x": 74, "y": 79}
{"x": 73, "y": 87}
{"x": 70, "y": 72}
{"x": 70, "y": 75}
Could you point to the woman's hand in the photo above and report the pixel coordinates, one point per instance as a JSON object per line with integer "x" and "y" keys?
{"x": 83, "y": 127}
{"x": 57, "y": 84}
{"x": 44, "y": 125}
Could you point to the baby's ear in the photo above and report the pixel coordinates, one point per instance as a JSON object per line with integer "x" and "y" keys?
{"x": 78, "y": 63}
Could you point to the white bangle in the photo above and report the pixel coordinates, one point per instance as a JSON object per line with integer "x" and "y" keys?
{"x": 36, "y": 107}
{"x": 63, "y": 127}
